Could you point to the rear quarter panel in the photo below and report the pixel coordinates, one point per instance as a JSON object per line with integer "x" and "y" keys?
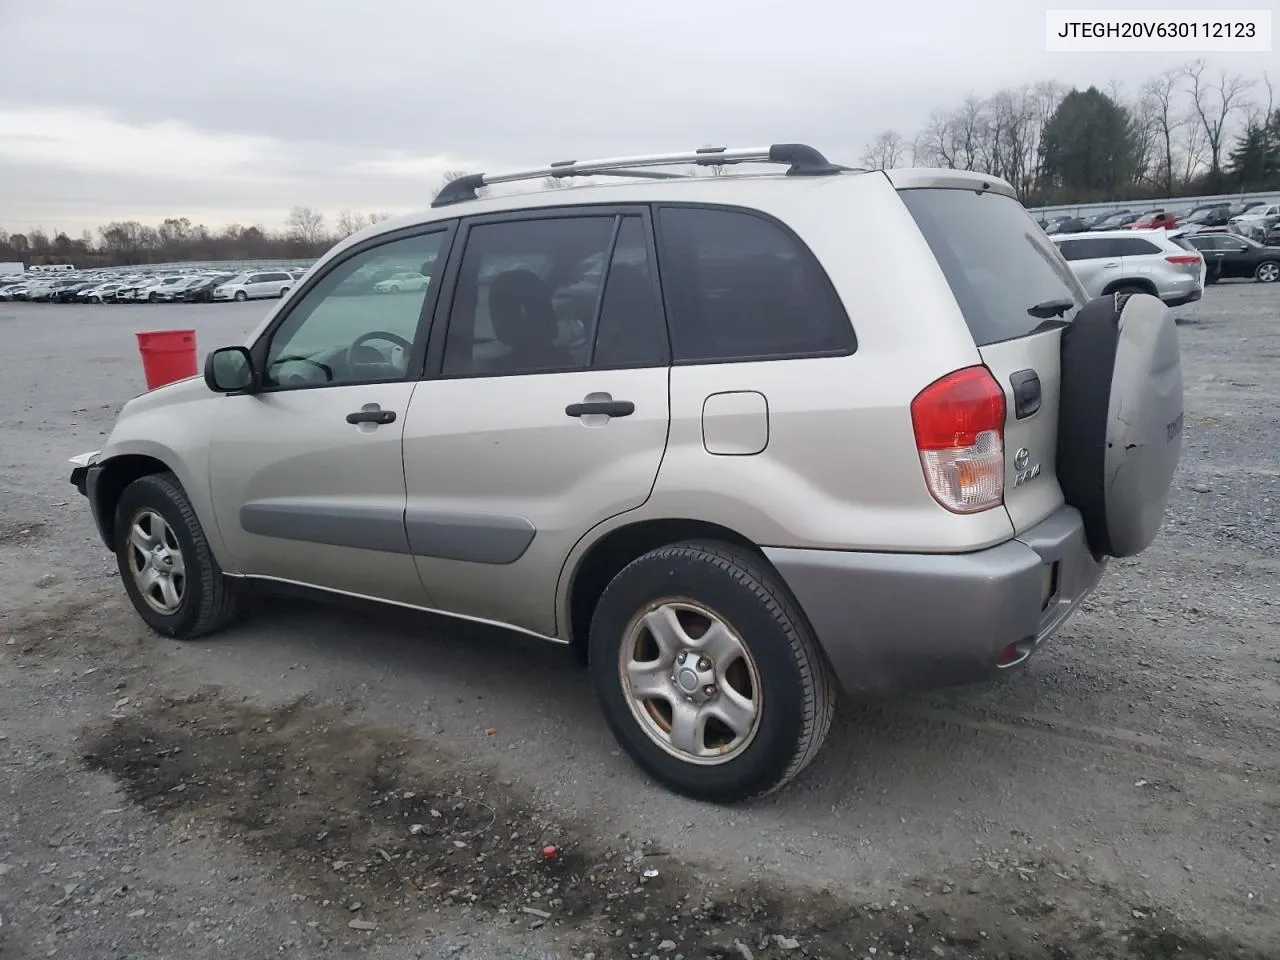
{"x": 840, "y": 469}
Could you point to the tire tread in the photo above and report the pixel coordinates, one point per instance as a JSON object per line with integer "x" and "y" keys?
{"x": 219, "y": 600}
{"x": 817, "y": 681}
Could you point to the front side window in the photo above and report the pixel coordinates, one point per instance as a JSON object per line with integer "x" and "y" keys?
{"x": 341, "y": 331}
{"x": 740, "y": 287}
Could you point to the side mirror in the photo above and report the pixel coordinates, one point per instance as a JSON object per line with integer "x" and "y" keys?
{"x": 230, "y": 370}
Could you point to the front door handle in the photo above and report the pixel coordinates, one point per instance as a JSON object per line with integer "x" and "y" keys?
{"x": 372, "y": 413}
{"x": 609, "y": 408}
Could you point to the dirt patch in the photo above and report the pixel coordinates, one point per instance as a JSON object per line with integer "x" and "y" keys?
{"x": 20, "y": 532}
{"x": 63, "y": 618}
{"x": 374, "y": 828}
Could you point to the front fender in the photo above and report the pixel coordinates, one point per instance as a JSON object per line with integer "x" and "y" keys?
{"x": 173, "y": 425}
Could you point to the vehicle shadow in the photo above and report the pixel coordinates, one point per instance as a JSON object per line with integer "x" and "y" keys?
{"x": 469, "y": 676}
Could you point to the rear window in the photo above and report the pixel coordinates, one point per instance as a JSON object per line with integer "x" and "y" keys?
{"x": 998, "y": 262}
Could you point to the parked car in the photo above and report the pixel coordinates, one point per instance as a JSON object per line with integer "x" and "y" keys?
{"x": 1066, "y": 225}
{"x": 202, "y": 291}
{"x": 1116, "y": 220}
{"x": 1129, "y": 261}
{"x": 1227, "y": 256}
{"x": 254, "y": 286}
{"x": 1156, "y": 219}
{"x": 1256, "y": 222}
{"x": 98, "y": 293}
{"x": 788, "y": 459}
{"x": 168, "y": 293}
{"x": 401, "y": 283}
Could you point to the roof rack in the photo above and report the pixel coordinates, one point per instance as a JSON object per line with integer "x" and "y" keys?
{"x": 803, "y": 160}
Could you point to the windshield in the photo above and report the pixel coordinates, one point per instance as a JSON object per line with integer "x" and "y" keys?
{"x": 1000, "y": 265}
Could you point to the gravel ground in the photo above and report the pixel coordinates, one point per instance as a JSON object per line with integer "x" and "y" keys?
{"x": 324, "y": 782}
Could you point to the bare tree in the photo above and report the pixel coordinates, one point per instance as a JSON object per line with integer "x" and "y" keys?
{"x": 379, "y": 217}
{"x": 970, "y": 124}
{"x": 1214, "y": 104}
{"x": 937, "y": 141}
{"x": 305, "y": 225}
{"x": 349, "y": 223}
{"x": 1160, "y": 99}
{"x": 885, "y": 152}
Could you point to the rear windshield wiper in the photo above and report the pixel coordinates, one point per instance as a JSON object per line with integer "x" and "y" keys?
{"x": 1051, "y": 308}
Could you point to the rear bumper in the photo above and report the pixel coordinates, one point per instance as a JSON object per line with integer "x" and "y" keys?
{"x": 892, "y": 623}
{"x": 1178, "y": 300}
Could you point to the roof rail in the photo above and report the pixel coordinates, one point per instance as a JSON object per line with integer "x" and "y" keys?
{"x": 802, "y": 160}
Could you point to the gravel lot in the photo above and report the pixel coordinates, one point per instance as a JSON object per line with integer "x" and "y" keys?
{"x": 322, "y": 782}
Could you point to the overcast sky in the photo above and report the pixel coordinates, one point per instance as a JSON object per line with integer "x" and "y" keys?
{"x": 236, "y": 111}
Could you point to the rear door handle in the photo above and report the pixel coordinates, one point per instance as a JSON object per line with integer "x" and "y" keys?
{"x": 372, "y": 413}
{"x": 609, "y": 408}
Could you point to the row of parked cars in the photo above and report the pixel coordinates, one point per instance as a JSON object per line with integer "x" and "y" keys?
{"x": 1255, "y": 219}
{"x": 188, "y": 286}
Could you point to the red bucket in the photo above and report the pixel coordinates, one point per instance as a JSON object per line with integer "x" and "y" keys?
{"x": 167, "y": 355}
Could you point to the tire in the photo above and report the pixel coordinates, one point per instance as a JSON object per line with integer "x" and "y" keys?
{"x": 780, "y": 666}
{"x": 207, "y": 600}
{"x": 284, "y": 291}
{"x": 152, "y": 298}
{"x": 241, "y": 296}
{"x": 1128, "y": 290}
{"x": 1267, "y": 272}
{"x": 1120, "y": 418}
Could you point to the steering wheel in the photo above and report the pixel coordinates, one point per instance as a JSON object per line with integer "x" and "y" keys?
{"x": 376, "y": 335}
{"x": 298, "y": 378}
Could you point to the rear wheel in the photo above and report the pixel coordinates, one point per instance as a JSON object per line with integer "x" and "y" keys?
{"x": 708, "y": 673}
{"x": 1268, "y": 272}
{"x": 168, "y": 570}
{"x": 283, "y": 292}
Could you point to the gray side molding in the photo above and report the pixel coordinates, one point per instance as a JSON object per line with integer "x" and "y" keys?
{"x": 472, "y": 537}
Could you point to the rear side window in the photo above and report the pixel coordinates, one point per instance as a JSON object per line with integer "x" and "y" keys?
{"x": 1091, "y": 248}
{"x": 741, "y": 287}
{"x": 998, "y": 262}
{"x": 1134, "y": 247}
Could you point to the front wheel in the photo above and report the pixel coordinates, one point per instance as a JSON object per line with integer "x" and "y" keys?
{"x": 708, "y": 673}
{"x": 241, "y": 296}
{"x": 1268, "y": 272}
{"x": 168, "y": 570}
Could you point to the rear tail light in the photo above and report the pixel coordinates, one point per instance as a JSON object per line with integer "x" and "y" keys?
{"x": 1183, "y": 258}
{"x": 959, "y": 427}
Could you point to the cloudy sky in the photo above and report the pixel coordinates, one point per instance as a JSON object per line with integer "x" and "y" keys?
{"x": 236, "y": 111}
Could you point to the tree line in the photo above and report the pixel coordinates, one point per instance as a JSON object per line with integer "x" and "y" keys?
{"x": 306, "y": 234}
{"x": 1185, "y": 132}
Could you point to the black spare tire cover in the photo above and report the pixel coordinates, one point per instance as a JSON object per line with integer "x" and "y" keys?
{"x": 1120, "y": 419}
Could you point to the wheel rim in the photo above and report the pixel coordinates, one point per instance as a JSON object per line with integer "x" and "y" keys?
{"x": 690, "y": 682}
{"x": 1268, "y": 272}
{"x": 156, "y": 562}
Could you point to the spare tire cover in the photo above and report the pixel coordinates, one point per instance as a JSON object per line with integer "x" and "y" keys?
{"x": 1120, "y": 419}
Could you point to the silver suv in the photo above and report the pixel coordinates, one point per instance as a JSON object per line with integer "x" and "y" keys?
{"x": 1135, "y": 261}
{"x": 736, "y": 454}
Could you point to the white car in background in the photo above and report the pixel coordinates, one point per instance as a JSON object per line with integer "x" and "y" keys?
{"x": 255, "y": 286}
{"x": 401, "y": 283}
{"x": 1256, "y": 222}
{"x": 1134, "y": 261}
